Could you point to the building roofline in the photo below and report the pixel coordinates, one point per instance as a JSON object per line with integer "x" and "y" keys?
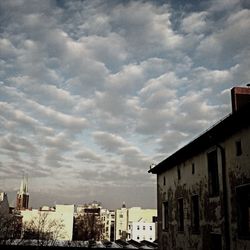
{"x": 218, "y": 133}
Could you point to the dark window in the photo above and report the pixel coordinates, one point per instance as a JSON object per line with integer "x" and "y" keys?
{"x": 164, "y": 180}
{"x": 193, "y": 168}
{"x": 195, "y": 214}
{"x": 215, "y": 241}
{"x": 243, "y": 211}
{"x": 179, "y": 173}
{"x": 238, "y": 148}
{"x": 213, "y": 177}
{"x": 154, "y": 219}
{"x": 180, "y": 215}
{"x": 165, "y": 216}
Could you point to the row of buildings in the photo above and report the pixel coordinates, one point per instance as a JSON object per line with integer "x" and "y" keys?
{"x": 83, "y": 222}
{"x": 203, "y": 189}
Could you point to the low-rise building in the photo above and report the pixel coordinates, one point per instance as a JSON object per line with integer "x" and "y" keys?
{"x": 136, "y": 224}
{"x": 108, "y": 220}
{"x": 203, "y": 189}
{"x": 58, "y": 221}
{"x": 4, "y": 204}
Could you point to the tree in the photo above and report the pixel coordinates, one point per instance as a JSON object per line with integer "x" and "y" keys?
{"x": 43, "y": 230}
{"x": 10, "y": 227}
{"x": 88, "y": 226}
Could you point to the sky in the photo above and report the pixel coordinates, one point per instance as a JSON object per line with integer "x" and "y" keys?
{"x": 94, "y": 92}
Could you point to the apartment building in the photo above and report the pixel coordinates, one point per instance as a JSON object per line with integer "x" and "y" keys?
{"x": 136, "y": 224}
{"x": 56, "y": 221}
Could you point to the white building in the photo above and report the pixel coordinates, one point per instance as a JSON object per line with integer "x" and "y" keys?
{"x": 136, "y": 223}
{"x": 61, "y": 215}
{"x": 142, "y": 231}
{"x": 108, "y": 220}
{"x": 121, "y": 223}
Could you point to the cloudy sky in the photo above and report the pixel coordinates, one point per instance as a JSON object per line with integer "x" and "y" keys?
{"x": 93, "y": 92}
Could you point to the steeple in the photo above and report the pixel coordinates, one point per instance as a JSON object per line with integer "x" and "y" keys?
{"x": 22, "y": 199}
{"x": 24, "y": 185}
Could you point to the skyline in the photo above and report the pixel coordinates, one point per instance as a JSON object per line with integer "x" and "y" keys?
{"x": 94, "y": 92}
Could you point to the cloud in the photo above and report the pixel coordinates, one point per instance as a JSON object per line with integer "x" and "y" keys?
{"x": 93, "y": 92}
{"x": 195, "y": 23}
{"x": 88, "y": 155}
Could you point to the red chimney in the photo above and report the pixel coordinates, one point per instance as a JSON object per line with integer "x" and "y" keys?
{"x": 240, "y": 97}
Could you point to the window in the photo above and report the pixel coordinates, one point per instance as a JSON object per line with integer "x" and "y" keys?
{"x": 193, "y": 168}
{"x": 215, "y": 241}
{"x": 213, "y": 177}
{"x": 138, "y": 237}
{"x": 179, "y": 173}
{"x": 143, "y": 227}
{"x": 150, "y": 228}
{"x": 121, "y": 216}
{"x": 138, "y": 227}
{"x": 180, "y": 215}
{"x": 154, "y": 219}
{"x": 164, "y": 181}
{"x": 243, "y": 211}
{"x": 195, "y": 214}
{"x": 238, "y": 148}
{"x": 165, "y": 216}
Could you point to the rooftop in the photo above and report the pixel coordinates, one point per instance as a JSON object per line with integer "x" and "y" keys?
{"x": 218, "y": 133}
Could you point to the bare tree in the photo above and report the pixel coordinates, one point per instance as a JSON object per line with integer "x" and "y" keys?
{"x": 88, "y": 227}
{"x": 43, "y": 230}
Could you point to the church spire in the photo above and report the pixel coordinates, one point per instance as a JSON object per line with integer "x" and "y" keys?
{"x": 24, "y": 185}
{"x": 22, "y": 199}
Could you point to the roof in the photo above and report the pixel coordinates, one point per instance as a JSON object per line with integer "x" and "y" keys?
{"x": 218, "y": 133}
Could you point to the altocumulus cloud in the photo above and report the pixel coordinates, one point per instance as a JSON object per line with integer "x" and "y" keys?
{"x": 93, "y": 92}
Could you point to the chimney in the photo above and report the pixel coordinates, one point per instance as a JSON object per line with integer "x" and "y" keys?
{"x": 240, "y": 97}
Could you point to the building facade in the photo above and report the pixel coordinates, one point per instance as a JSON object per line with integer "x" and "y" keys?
{"x": 108, "y": 220}
{"x": 136, "y": 224}
{"x": 56, "y": 221}
{"x": 142, "y": 230}
{"x": 121, "y": 223}
{"x": 4, "y": 204}
{"x": 203, "y": 189}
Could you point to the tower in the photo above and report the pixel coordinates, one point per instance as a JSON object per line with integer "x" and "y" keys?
{"x": 22, "y": 199}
